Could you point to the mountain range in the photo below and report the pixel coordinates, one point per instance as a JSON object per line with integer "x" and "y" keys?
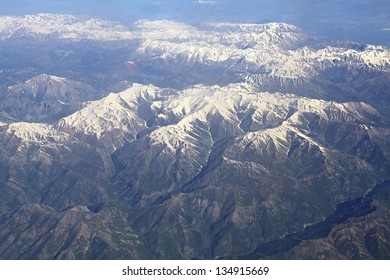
{"x": 171, "y": 141}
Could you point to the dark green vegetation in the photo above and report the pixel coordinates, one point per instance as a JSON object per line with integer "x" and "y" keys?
{"x": 357, "y": 208}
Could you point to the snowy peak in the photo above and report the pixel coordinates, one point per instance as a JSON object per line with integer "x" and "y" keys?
{"x": 115, "y": 119}
{"x": 228, "y": 34}
{"x": 275, "y": 50}
{"x": 45, "y": 98}
{"x": 278, "y": 49}
{"x": 258, "y": 28}
{"x": 37, "y": 134}
{"x": 77, "y": 28}
{"x": 169, "y": 116}
{"x": 49, "y": 86}
{"x": 55, "y": 26}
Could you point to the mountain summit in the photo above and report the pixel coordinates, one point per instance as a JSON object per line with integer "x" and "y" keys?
{"x": 215, "y": 141}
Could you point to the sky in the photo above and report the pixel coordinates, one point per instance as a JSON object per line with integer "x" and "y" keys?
{"x": 363, "y": 21}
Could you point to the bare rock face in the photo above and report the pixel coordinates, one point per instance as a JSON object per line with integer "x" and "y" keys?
{"x": 45, "y": 98}
{"x": 42, "y": 232}
{"x": 254, "y": 142}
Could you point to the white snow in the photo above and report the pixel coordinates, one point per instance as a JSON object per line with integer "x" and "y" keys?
{"x": 37, "y": 133}
{"x": 250, "y": 47}
{"x": 62, "y": 27}
{"x": 276, "y": 48}
{"x": 116, "y": 112}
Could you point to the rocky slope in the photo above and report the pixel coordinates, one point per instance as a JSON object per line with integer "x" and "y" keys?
{"x": 45, "y": 98}
{"x": 220, "y": 141}
{"x": 205, "y": 165}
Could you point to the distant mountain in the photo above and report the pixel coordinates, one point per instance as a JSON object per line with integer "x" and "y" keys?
{"x": 274, "y": 57}
{"x": 65, "y": 27}
{"x": 220, "y": 141}
{"x": 45, "y": 98}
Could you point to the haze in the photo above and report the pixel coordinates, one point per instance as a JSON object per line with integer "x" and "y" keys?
{"x": 363, "y": 21}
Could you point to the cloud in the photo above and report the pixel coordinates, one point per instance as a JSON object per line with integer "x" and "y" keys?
{"x": 206, "y": 2}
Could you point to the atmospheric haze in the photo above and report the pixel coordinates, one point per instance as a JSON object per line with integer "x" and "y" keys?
{"x": 363, "y": 21}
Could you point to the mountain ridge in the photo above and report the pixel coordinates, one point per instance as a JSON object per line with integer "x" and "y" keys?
{"x": 212, "y": 141}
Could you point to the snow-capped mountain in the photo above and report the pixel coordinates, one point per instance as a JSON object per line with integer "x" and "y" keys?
{"x": 126, "y": 114}
{"x": 222, "y": 140}
{"x": 45, "y": 98}
{"x": 271, "y": 56}
{"x": 116, "y": 119}
{"x": 65, "y": 27}
{"x": 276, "y": 48}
